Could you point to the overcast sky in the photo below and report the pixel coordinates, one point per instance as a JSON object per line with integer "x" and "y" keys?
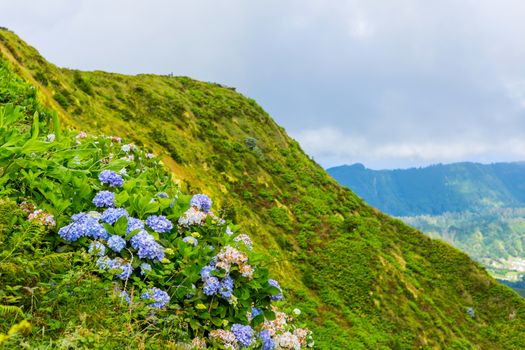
{"x": 385, "y": 83}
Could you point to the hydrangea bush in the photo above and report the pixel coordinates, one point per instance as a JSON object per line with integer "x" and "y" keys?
{"x": 169, "y": 253}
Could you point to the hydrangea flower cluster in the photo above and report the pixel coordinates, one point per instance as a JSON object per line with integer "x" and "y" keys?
{"x": 159, "y": 223}
{"x": 159, "y": 297}
{"x": 124, "y": 269}
{"x": 243, "y": 334}
{"x": 201, "y": 202}
{"x": 266, "y": 340}
{"x": 42, "y": 218}
{"x": 192, "y": 217}
{"x": 228, "y": 256}
{"x": 244, "y": 238}
{"x": 147, "y": 247}
{"x": 111, "y": 178}
{"x": 116, "y": 243}
{"x": 226, "y": 338}
{"x": 111, "y": 215}
{"x": 97, "y": 248}
{"x": 134, "y": 224}
{"x": 104, "y": 199}
{"x": 83, "y": 225}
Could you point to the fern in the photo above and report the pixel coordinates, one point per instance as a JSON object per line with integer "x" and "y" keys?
{"x": 11, "y": 310}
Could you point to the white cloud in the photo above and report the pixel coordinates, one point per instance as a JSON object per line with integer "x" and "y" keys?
{"x": 332, "y": 147}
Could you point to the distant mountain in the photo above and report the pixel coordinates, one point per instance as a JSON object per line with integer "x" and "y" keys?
{"x": 479, "y": 208}
{"x": 438, "y": 188}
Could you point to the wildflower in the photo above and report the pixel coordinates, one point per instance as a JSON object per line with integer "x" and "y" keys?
{"x": 160, "y": 298}
{"x": 41, "y": 217}
{"x": 50, "y": 138}
{"x": 243, "y": 334}
{"x": 144, "y": 267}
{"x": 147, "y": 247}
{"x": 111, "y": 215}
{"x": 123, "y": 171}
{"x": 82, "y": 135}
{"x": 244, "y": 238}
{"x": 134, "y": 224}
{"x": 116, "y": 243}
{"x": 229, "y": 231}
{"x": 192, "y": 216}
{"x": 266, "y": 340}
{"x": 278, "y": 296}
{"x": 150, "y": 155}
{"x": 201, "y": 202}
{"x": 127, "y": 148}
{"x": 159, "y": 223}
{"x": 97, "y": 248}
{"x": 190, "y": 240}
{"x": 296, "y": 312}
{"x": 104, "y": 199}
{"x": 111, "y": 178}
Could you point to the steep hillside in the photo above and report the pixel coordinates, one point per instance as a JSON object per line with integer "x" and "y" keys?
{"x": 364, "y": 279}
{"x": 454, "y": 187}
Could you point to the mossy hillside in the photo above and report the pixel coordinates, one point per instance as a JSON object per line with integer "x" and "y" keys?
{"x": 365, "y": 280}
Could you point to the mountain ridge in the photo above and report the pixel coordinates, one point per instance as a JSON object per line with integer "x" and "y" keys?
{"x": 364, "y": 279}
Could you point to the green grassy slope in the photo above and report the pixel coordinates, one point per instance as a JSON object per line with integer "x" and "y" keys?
{"x": 364, "y": 279}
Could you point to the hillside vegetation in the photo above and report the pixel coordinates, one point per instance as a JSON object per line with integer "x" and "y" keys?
{"x": 361, "y": 279}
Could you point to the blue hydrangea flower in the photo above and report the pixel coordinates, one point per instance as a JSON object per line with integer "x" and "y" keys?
{"x": 201, "y": 202}
{"x": 211, "y": 286}
{"x": 226, "y": 288}
{"x": 243, "y": 334}
{"x": 71, "y": 232}
{"x": 103, "y": 262}
{"x": 134, "y": 224}
{"x": 190, "y": 240}
{"x": 144, "y": 267}
{"x": 94, "y": 229}
{"x": 111, "y": 178}
{"x": 146, "y": 246}
{"x": 160, "y": 297}
{"x": 111, "y": 215}
{"x": 116, "y": 243}
{"x": 278, "y": 296}
{"x": 97, "y": 248}
{"x": 83, "y": 225}
{"x": 118, "y": 264}
{"x": 104, "y": 199}
{"x": 162, "y": 195}
{"x": 266, "y": 339}
{"x": 206, "y": 272}
{"x": 256, "y": 312}
{"x": 159, "y": 223}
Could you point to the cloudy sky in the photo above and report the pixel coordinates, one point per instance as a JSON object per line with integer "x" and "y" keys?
{"x": 385, "y": 83}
